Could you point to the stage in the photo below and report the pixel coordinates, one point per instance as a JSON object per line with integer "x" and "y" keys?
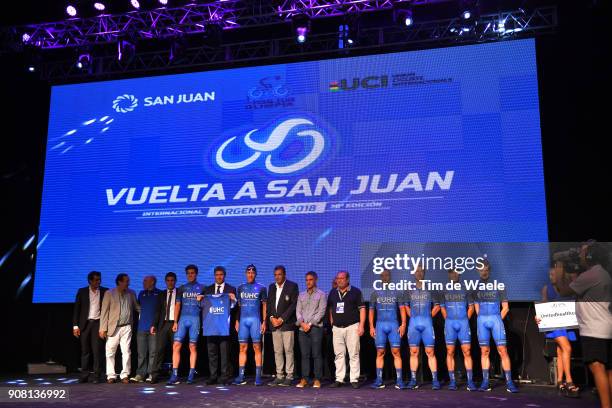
{"x": 200, "y": 395}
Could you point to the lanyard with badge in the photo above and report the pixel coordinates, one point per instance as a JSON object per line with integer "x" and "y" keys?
{"x": 340, "y": 305}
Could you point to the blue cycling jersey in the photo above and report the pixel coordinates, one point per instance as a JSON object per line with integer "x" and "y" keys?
{"x": 216, "y": 314}
{"x": 250, "y": 298}
{"x": 456, "y": 303}
{"x": 489, "y": 301}
{"x": 385, "y": 303}
{"x": 420, "y": 302}
{"x": 187, "y": 297}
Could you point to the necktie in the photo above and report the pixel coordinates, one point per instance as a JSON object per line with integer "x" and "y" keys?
{"x": 168, "y": 303}
{"x": 218, "y": 289}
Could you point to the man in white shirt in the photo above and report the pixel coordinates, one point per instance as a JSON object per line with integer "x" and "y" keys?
{"x": 86, "y": 324}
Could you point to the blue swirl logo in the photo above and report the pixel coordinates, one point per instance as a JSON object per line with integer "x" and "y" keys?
{"x": 125, "y": 103}
{"x": 311, "y": 138}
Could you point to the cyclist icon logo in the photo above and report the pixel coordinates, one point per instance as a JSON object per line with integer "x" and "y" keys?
{"x": 268, "y": 87}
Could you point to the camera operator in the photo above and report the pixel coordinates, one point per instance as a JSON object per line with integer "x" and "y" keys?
{"x": 592, "y": 288}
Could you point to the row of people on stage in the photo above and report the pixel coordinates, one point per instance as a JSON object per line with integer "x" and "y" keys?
{"x": 175, "y": 315}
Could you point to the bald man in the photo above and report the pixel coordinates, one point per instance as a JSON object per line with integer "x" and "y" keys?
{"x": 148, "y": 298}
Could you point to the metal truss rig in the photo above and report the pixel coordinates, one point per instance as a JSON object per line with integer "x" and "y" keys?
{"x": 193, "y": 18}
{"x": 488, "y": 27}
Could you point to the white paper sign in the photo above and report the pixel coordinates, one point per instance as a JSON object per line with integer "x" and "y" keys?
{"x": 556, "y": 315}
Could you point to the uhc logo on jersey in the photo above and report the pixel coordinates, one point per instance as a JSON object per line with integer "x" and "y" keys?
{"x": 216, "y": 310}
{"x": 245, "y": 295}
{"x": 188, "y": 295}
{"x": 387, "y": 299}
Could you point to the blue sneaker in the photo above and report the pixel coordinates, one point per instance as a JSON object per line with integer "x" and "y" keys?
{"x": 400, "y": 385}
{"x": 511, "y": 387}
{"x": 239, "y": 381}
{"x": 258, "y": 382}
{"x": 191, "y": 377}
{"x": 485, "y": 386}
{"x": 377, "y": 384}
{"x": 452, "y": 385}
{"x": 173, "y": 380}
{"x": 435, "y": 385}
{"x": 471, "y": 386}
{"x": 412, "y": 385}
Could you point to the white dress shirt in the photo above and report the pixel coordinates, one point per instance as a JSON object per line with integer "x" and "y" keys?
{"x": 279, "y": 289}
{"x": 219, "y": 287}
{"x": 94, "y": 304}
{"x": 170, "y": 297}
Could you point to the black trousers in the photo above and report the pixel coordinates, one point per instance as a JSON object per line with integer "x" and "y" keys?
{"x": 218, "y": 347}
{"x": 164, "y": 337}
{"x": 311, "y": 346}
{"x": 91, "y": 346}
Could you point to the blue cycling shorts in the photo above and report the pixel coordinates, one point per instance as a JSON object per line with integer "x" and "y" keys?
{"x": 420, "y": 329}
{"x": 188, "y": 324}
{"x": 387, "y": 331}
{"x": 491, "y": 326}
{"x": 457, "y": 330}
{"x": 250, "y": 328}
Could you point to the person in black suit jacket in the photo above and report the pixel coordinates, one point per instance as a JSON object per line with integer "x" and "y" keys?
{"x": 282, "y": 301}
{"x": 218, "y": 345}
{"x": 163, "y": 322}
{"x": 86, "y": 324}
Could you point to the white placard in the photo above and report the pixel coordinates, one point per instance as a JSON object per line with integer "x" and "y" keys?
{"x": 556, "y": 315}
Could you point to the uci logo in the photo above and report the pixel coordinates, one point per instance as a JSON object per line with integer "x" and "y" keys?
{"x": 125, "y": 103}
{"x": 280, "y": 138}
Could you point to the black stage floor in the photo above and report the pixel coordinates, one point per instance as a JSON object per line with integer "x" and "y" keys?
{"x": 200, "y": 395}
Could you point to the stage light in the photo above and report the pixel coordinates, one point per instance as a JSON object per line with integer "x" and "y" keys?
{"x": 71, "y": 10}
{"x": 501, "y": 26}
{"x": 402, "y": 15}
{"x": 407, "y": 17}
{"x": 25, "y": 37}
{"x": 84, "y": 61}
{"x": 125, "y": 51}
{"x": 99, "y": 6}
{"x": 301, "y": 24}
{"x": 135, "y": 4}
{"x": 469, "y": 9}
{"x": 301, "y": 35}
{"x": 163, "y": 2}
{"x": 31, "y": 68}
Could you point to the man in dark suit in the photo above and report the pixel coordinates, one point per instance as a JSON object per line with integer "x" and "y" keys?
{"x": 86, "y": 324}
{"x": 218, "y": 345}
{"x": 163, "y": 322}
{"x": 282, "y": 301}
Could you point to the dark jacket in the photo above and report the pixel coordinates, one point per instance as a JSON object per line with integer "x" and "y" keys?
{"x": 286, "y": 305}
{"x": 160, "y": 313}
{"x": 80, "y": 313}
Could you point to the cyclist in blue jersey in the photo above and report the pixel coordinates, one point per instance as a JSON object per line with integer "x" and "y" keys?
{"x": 457, "y": 308}
{"x": 490, "y": 323}
{"x": 252, "y": 298}
{"x": 385, "y": 304}
{"x": 421, "y": 307}
{"x": 186, "y": 321}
